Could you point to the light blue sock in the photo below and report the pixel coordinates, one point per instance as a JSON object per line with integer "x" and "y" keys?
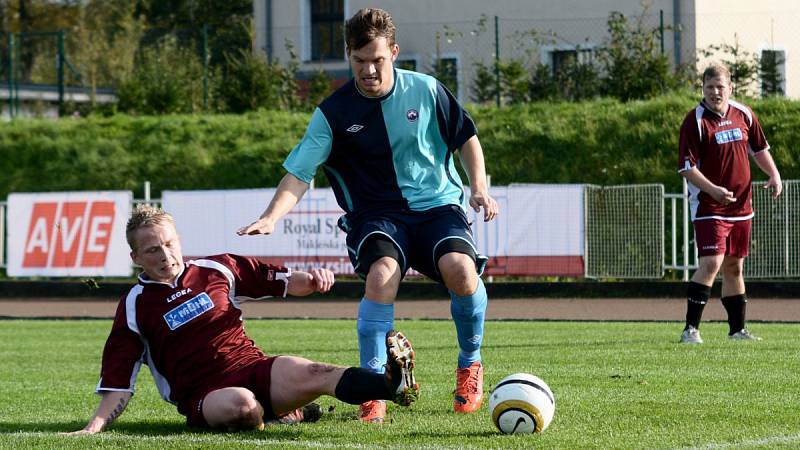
{"x": 468, "y": 314}
{"x": 374, "y": 321}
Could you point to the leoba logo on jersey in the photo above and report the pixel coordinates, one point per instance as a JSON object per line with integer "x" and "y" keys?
{"x": 63, "y": 234}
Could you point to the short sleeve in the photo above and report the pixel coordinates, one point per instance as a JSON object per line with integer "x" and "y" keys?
{"x": 254, "y": 278}
{"x": 313, "y": 149}
{"x": 689, "y": 142}
{"x": 455, "y": 123}
{"x": 122, "y": 355}
{"x": 756, "y": 139}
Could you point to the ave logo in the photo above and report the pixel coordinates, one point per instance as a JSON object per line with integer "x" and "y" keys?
{"x": 69, "y": 234}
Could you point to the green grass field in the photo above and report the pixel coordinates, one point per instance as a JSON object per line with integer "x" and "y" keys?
{"x": 617, "y": 385}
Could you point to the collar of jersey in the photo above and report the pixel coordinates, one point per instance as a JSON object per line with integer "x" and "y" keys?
{"x": 143, "y": 279}
{"x": 382, "y": 97}
{"x": 721, "y": 116}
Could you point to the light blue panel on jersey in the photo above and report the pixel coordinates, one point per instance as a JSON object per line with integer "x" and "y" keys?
{"x": 185, "y": 312}
{"x": 314, "y": 147}
{"x": 418, "y": 149}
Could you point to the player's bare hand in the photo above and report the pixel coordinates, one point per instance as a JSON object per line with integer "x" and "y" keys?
{"x": 776, "y": 185}
{"x": 260, "y": 226}
{"x": 722, "y": 195}
{"x": 483, "y": 199}
{"x": 83, "y": 432}
{"x": 322, "y": 280}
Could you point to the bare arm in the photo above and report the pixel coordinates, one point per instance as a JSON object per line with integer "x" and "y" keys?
{"x": 290, "y": 191}
{"x": 306, "y": 283}
{"x": 473, "y": 163}
{"x": 767, "y": 165}
{"x": 720, "y": 194}
{"x": 111, "y": 406}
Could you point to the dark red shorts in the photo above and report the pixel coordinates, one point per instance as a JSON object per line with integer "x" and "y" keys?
{"x": 254, "y": 377}
{"x": 721, "y": 237}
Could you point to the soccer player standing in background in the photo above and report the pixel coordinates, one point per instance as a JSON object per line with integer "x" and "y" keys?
{"x": 716, "y": 140}
{"x": 386, "y": 141}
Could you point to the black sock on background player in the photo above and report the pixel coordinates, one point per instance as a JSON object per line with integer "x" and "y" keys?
{"x": 697, "y": 297}
{"x": 736, "y": 306}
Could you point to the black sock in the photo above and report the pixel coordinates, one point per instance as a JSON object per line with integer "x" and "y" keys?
{"x": 359, "y": 385}
{"x": 697, "y": 297}
{"x": 735, "y": 305}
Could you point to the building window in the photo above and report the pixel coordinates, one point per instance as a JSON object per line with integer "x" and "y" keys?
{"x": 562, "y": 60}
{"x": 327, "y": 30}
{"x": 773, "y": 72}
{"x": 446, "y": 71}
{"x": 407, "y": 64}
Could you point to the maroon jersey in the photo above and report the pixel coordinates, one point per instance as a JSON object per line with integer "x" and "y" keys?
{"x": 190, "y": 334}
{"x": 720, "y": 146}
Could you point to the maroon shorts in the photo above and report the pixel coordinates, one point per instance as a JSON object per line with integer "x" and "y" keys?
{"x": 254, "y": 377}
{"x": 721, "y": 237}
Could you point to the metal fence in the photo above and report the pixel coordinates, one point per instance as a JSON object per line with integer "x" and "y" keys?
{"x": 624, "y": 228}
{"x": 629, "y": 227}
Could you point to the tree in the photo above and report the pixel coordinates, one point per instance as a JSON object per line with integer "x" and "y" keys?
{"x": 743, "y": 65}
{"x": 104, "y": 43}
{"x": 632, "y": 67}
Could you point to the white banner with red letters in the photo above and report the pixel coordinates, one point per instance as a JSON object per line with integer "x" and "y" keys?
{"x": 68, "y": 234}
{"x": 539, "y": 231}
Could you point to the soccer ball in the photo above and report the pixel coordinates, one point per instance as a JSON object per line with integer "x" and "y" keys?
{"x": 522, "y": 403}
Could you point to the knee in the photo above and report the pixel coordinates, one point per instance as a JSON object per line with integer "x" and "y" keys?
{"x": 458, "y": 273}
{"x": 732, "y": 270}
{"x": 709, "y": 265}
{"x": 246, "y": 411}
{"x": 383, "y": 274}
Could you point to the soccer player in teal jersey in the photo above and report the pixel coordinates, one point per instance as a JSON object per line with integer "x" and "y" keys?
{"x": 386, "y": 142}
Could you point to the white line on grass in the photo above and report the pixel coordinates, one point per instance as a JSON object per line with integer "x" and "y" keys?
{"x": 208, "y": 439}
{"x": 199, "y": 439}
{"x": 788, "y": 439}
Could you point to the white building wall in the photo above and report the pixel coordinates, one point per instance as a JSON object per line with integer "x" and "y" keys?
{"x": 566, "y": 23}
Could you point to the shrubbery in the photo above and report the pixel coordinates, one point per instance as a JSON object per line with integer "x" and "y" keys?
{"x": 599, "y": 142}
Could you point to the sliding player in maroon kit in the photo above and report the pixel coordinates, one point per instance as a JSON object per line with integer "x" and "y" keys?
{"x": 183, "y": 320}
{"x": 717, "y": 138}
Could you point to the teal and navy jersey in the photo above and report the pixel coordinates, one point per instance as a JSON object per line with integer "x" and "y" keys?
{"x": 391, "y": 152}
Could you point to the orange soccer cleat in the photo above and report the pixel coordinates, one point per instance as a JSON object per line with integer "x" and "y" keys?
{"x": 469, "y": 388}
{"x": 372, "y": 411}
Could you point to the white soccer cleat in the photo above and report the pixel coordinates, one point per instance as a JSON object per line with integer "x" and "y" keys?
{"x": 743, "y": 335}
{"x": 691, "y": 335}
{"x": 400, "y": 368}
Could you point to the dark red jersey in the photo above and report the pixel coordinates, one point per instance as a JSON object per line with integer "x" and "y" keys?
{"x": 190, "y": 334}
{"x": 719, "y": 146}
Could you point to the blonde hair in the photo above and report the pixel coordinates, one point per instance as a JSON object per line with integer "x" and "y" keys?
{"x": 716, "y": 70}
{"x": 145, "y": 216}
{"x": 367, "y": 25}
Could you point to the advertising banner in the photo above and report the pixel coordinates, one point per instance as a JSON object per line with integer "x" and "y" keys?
{"x": 539, "y": 231}
{"x": 68, "y": 234}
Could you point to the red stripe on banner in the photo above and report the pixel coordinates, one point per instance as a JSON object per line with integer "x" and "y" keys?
{"x": 556, "y": 266}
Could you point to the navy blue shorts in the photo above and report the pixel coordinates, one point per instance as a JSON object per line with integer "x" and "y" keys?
{"x": 416, "y": 239}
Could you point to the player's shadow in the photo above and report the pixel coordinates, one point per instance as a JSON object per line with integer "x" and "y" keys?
{"x": 150, "y": 428}
{"x": 276, "y": 432}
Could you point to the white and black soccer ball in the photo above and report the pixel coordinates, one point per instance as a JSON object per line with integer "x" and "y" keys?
{"x": 522, "y": 403}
